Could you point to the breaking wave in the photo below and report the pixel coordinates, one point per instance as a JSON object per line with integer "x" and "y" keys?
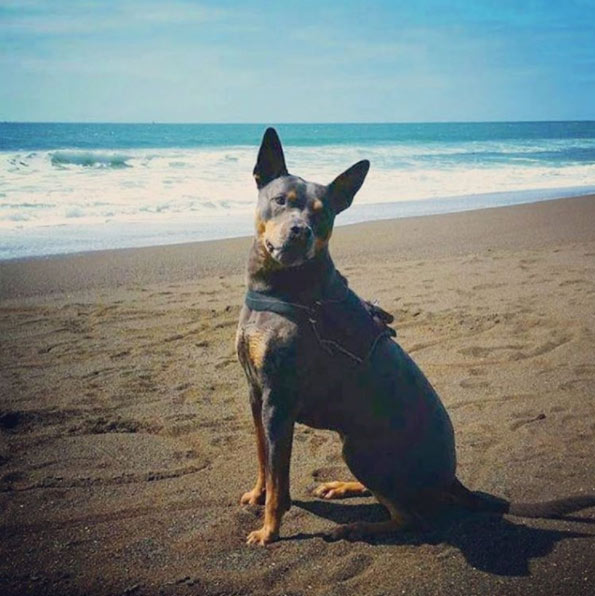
{"x": 89, "y": 159}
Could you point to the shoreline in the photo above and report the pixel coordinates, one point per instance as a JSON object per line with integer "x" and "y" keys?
{"x": 80, "y": 239}
{"x": 429, "y": 235}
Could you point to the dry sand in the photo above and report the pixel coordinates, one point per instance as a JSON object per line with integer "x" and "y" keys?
{"x": 126, "y": 438}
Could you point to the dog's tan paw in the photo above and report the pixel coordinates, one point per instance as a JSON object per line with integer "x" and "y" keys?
{"x": 328, "y": 490}
{"x": 339, "y": 490}
{"x": 261, "y": 537}
{"x": 253, "y": 497}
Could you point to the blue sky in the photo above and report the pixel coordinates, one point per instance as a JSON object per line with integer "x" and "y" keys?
{"x": 303, "y": 61}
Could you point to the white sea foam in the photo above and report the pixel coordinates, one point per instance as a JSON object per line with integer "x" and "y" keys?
{"x": 89, "y": 159}
{"x": 92, "y": 193}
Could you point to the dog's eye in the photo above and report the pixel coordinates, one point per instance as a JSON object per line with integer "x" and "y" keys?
{"x": 280, "y": 200}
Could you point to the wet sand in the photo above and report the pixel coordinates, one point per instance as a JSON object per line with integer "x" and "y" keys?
{"x": 126, "y": 438}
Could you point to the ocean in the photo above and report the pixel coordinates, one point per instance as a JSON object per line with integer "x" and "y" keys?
{"x": 68, "y": 188}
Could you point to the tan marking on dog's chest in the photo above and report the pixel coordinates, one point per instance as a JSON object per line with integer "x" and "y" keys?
{"x": 257, "y": 343}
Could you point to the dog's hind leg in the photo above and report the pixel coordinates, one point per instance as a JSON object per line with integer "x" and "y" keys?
{"x": 399, "y": 519}
{"x": 340, "y": 490}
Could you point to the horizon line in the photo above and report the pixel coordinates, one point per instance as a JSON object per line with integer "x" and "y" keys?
{"x": 281, "y": 123}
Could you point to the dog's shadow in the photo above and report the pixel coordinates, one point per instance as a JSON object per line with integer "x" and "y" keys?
{"x": 489, "y": 542}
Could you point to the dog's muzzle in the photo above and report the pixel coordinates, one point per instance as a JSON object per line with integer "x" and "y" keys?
{"x": 295, "y": 245}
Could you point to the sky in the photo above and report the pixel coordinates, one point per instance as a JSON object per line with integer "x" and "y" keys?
{"x": 302, "y": 61}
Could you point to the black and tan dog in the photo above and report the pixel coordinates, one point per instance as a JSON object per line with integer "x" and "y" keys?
{"x": 316, "y": 354}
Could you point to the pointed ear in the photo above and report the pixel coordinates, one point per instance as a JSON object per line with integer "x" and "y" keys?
{"x": 343, "y": 188}
{"x": 270, "y": 163}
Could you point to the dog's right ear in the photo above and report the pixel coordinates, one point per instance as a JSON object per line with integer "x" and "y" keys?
{"x": 271, "y": 162}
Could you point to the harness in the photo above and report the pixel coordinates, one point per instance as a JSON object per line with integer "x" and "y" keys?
{"x": 341, "y": 322}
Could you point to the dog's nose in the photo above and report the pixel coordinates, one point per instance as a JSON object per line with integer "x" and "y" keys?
{"x": 300, "y": 230}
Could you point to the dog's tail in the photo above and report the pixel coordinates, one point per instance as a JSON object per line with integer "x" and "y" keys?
{"x": 547, "y": 509}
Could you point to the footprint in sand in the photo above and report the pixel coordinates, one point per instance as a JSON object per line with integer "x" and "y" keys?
{"x": 586, "y": 370}
{"x": 488, "y": 286}
{"x": 473, "y": 383}
{"x": 525, "y": 421}
{"x": 354, "y": 565}
{"x": 476, "y": 351}
{"x": 511, "y": 352}
{"x": 105, "y": 459}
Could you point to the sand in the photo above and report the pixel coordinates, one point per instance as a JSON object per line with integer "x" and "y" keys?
{"x": 126, "y": 438}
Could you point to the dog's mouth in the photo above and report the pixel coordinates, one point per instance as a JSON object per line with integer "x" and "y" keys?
{"x": 289, "y": 254}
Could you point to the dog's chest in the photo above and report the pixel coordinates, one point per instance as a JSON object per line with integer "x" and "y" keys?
{"x": 277, "y": 353}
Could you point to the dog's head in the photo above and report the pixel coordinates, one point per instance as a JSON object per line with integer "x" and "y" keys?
{"x": 294, "y": 218}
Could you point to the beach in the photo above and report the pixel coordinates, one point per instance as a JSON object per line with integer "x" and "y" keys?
{"x": 126, "y": 438}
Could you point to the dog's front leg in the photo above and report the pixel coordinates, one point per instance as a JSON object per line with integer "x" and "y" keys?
{"x": 277, "y": 423}
{"x": 256, "y": 496}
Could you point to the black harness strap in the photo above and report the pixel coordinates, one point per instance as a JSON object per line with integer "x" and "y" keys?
{"x": 271, "y": 303}
{"x": 341, "y": 322}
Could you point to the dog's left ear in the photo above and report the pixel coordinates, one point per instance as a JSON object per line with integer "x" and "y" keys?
{"x": 270, "y": 163}
{"x": 343, "y": 188}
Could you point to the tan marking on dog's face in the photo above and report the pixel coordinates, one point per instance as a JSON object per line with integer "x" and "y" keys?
{"x": 257, "y": 347}
{"x": 291, "y": 196}
{"x": 322, "y": 242}
{"x": 260, "y": 226}
{"x": 318, "y": 205}
{"x": 272, "y": 232}
{"x": 268, "y": 262}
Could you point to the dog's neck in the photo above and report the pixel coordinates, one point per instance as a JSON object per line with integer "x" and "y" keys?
{"x": 305, "y": 282}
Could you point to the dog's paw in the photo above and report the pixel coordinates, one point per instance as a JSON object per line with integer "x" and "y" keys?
{"x": 261, "y": 537}
{"x": 339, "y": 490}
{"x": 253, "y": 497}
{"x": 355, "y": 531}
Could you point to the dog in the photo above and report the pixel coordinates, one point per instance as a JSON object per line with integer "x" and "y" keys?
{"x": 316, "y": 354}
